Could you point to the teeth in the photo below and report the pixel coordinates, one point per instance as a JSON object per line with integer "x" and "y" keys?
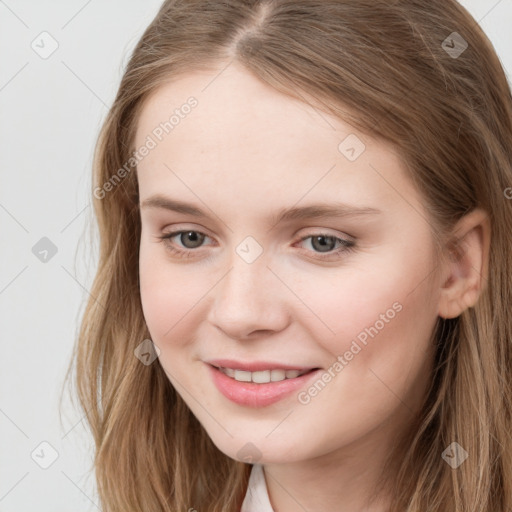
{"x": 277, "y": 375}
{"x": 229, "y": 372}
{"x": 242, "y": 376}
{"x": 262, "y": 377}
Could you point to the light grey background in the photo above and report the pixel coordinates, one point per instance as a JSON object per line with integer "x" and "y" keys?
{"x": 51, "y": 111}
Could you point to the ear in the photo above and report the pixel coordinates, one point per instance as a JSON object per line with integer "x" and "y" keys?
{"x": 465, "y": 268}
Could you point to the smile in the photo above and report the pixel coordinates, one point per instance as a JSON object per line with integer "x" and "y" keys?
{"x": 263, "y": 376}
{"x": 259, "y": 388}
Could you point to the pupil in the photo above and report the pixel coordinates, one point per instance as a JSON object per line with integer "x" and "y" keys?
{"x": 323, "y": 247}
{"x": 191, "y": 236}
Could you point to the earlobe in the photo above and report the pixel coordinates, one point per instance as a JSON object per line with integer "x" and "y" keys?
{"x": 465, "y": 271}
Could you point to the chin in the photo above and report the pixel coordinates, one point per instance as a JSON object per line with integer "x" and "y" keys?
{"x": 256, "y": 448}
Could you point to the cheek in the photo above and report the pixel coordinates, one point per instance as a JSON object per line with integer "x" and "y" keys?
{"x": 168, "y": 293}
{"x": 379, "y": 311}
{"x": 379, "y": 354}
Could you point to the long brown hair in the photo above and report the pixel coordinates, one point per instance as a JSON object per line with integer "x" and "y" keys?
{"x": 394, "y": 70}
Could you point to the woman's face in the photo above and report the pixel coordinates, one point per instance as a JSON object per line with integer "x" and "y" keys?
{"x": 301, "y": 248}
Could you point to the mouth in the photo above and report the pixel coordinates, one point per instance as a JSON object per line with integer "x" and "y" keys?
{"x": 263, "y": 376}
{"x": 260, "y": 387}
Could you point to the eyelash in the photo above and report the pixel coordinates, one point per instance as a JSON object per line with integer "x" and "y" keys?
{"x": 346, "y": 245}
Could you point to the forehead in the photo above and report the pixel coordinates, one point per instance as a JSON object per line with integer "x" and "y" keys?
{"x": 243, "y": 137}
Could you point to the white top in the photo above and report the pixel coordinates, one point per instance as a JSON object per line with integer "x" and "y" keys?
{"x": 256, "y": 498}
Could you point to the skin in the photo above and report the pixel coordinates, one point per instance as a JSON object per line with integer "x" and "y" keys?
{"x": 242, "y": 154}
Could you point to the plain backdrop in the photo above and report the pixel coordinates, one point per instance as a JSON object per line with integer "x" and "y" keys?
{"x": 51, "y": 109}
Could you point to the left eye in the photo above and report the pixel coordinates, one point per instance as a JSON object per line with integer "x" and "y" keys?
{"x": 325, "y": 243}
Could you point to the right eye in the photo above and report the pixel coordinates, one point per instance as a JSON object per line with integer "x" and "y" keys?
{"x": 191, "y": 240}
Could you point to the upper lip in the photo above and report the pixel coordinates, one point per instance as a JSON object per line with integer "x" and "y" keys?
{"x": 255, "y": 366}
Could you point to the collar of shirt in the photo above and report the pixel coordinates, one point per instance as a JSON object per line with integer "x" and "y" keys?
{"x": 256, "y": 498}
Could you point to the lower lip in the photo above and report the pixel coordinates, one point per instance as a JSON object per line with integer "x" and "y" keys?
{"x": 257, "y": 395}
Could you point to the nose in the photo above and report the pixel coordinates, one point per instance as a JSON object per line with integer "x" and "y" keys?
{"x": 250, "y": 300}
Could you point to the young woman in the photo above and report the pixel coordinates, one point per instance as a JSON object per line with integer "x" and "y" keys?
{"x": 302, "y": 297}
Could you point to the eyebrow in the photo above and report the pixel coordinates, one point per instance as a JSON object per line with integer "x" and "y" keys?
{"x": 312, "y": 211}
